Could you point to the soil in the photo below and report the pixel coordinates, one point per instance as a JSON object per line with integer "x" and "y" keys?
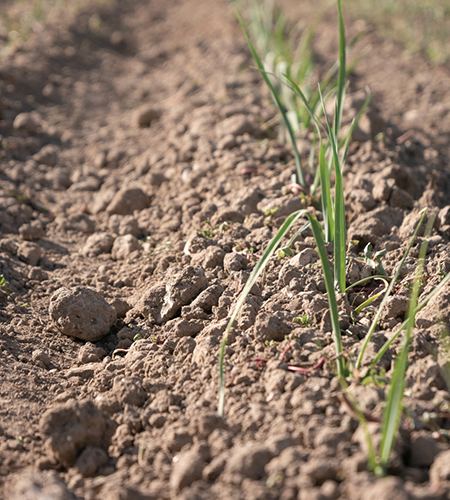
{"x": 141, "y": 178}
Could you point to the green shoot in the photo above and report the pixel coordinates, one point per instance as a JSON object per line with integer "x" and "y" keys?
{"x": 260, "y": 266}
{"x": 388, "y": 292}
{"x": 394, "y": 406}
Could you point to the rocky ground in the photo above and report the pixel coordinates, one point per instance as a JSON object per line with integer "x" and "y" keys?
{"x": 140, "y": 180}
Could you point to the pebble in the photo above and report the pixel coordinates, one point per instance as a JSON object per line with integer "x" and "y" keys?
{"x": 25, "y": 121}
{"x": 48, "y": 155}
{"x": 82, "y": 313}
{"x": 126, "y": 201}
{"x": 440, "y": 470}
{"x": 129, "y": 390}
{"x": 71, "y": 427}
{"x": 32, "y": 230}
{"x": 38, "y": 485}
{"x": 249, "y": 460}
{"x": 30, "y": 253}
{"x": 187, "y": 469}
{"x": 123, "y": 246}
{"x": 97, "y": 244}
{"x": 145, "y": 115}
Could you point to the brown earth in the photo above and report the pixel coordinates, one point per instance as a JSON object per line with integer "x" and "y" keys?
{"x": 136, "y": 171}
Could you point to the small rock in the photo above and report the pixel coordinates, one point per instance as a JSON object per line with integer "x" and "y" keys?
{"x": 183, "y": 328}
{"x": 127, "y": 200}
{"x": 34, "y": 485}
{"x": 73, "y": 426}
{"x": 32, "y": 231}
{"x": 30, "y": 253}
{"x": 124, "y": 224}
{"x": 90, "y": 353}
{"x": 144, "y": 116}
{"x": 97, "y": 244}
{"x": 76, "y": 222}
{"x": 440, "y": 470}
{"x": 81, "y": 313}
{"x": 387, "y": 487}
{"x": 124, "y": 246}
{"x": 320, "y": 470}
{"x": 187, "y": 469}
{"x": 234, "y": 262}
{"x": 423, "y": 450}
{"x": 271, "y": 326}
{"x": 37, "y": 274}
{"x": 129, "y": 390}
{"x": 236, "y": 125}
{"x": 90, "y": 460}
{"x": 331, "y": 437}
{"x": 40, "y": 356}
{"x": 25, "y": 121}
{"x": 209, "y": 258}
{"x": 305, "y": 257}
{"x": 249, "y": 460}
{"x": 48, "y": 155}
{"x": 181, "y": 290}
{"x": 282, "y": 206}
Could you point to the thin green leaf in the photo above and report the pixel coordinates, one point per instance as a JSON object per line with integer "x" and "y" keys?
{"x": 281, "y": 108}
{"x": 388, "y": 292}
{"x": 329, "y": 284}
{"x": 259, "y": 267}
{"x": 394, "y": 408}
{"x": 421, "y": 305}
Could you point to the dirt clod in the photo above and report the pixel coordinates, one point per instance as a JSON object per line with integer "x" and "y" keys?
{"x": 82, "y": 313}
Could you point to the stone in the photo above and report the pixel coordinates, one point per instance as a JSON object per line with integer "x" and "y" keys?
{"x": 129, "y": 390}
{"x": 187, "y": 469}
{"x": 32, "y": 231}
{"x": 124, "y": 246}
{"x": 38, "y": 485}
{"x": 25, "y": 121}
{"x": 82, "y": 313}
{"x": 145, "y": 115}
{"x": 249, "y": 460}
{"x": 71, "y": 427}
{"x": 127, "y": 200}
{"x": 30, "y": 253}
{"x": 440, "y": 469}
{"x": 48, "y": 155}
{"x": 97, "y": 244}
{"x": 90, "y": 460}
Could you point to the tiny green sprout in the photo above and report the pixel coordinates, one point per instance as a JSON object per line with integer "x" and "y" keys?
{"x": 271, "y": 211}
{"x": 374, "y": 259}
{"x": 303, "y": 320}
{"x": 285, "y": 252}
{"x": 270, "y": 343}
{"x": 19, "y": 438}
{"x": 373, "y": 378}
{"x": 440, "y": 272}
{"x": 4, "y": 284}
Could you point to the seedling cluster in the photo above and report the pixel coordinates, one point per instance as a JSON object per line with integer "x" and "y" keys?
{"x": 285, "y": 85}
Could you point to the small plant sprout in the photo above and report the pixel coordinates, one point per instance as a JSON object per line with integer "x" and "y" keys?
{"x": 4, "y": 284}
{"x": 302, "y": 320}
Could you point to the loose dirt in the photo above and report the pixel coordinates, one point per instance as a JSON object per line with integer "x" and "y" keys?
{"x": 140, "y": 180}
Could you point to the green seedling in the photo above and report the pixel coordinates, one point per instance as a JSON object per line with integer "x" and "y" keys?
{"x": 373, "y": 260}
{"x": 117, "y": 352}
{"x": 334, "y": 215}
{"x": 302, "y": 320}
{"x": 4, "y": 284}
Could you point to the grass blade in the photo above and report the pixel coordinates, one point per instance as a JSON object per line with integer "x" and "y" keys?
{"x": 260, "y": 265}
{"x": 394, "y": 406}
{"x": 329, "y": 284}
{"x": 388, "y": 292}
{"x": 421, "y": 305}
{"x": 281, "y": 108}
